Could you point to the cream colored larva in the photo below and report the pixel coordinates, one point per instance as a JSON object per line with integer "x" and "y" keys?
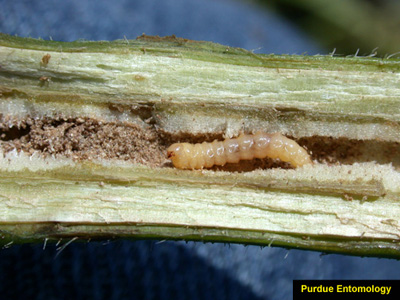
{"x": 244, "y": 147}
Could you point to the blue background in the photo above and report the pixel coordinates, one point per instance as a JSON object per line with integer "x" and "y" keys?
{"x": 160, "y": 269}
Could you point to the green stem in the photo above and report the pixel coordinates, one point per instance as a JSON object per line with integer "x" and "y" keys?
{"x": 154, "y": 91}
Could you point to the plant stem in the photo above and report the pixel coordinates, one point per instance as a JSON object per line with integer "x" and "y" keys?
{"x": 83, "y": 141}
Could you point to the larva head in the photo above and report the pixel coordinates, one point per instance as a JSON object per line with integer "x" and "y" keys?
{"x": 179, "y": 155}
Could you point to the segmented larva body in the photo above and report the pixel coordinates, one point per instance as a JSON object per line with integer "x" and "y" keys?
{"x": 244, "y": 147}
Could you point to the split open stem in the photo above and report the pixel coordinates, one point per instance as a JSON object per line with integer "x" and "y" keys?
{"x": 85, "y": 126}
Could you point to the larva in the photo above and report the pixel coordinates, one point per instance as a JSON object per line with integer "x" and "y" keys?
{"x": 244, "y": 147}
